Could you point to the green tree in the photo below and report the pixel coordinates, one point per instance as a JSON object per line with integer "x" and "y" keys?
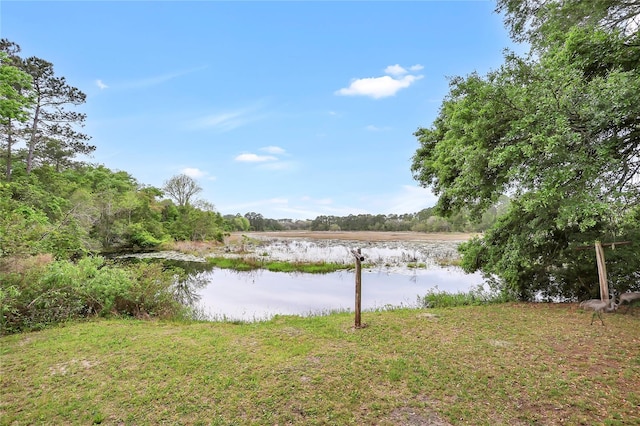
{"x": 256, "y": 221}
{"x": 236, "y": 223}
{"x": 15, "y": 101}
{"x": 543, "y": 22}
{"x": 559, "y": 132}
{"x": 48, "y": 117}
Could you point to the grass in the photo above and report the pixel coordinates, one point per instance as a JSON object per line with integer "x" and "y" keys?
{"x": 476, "y": 296}
{"x": 251, "y": 263}
{"x": 501, "y": 364}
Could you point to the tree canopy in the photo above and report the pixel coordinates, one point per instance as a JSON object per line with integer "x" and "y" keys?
{"x": 14, "y": 91}
{"x": 557, "y": 130}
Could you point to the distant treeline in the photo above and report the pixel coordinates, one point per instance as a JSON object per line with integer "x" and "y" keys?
{"x": 425, "y": 220}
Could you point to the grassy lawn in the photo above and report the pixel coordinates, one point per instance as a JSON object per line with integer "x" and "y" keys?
{"x": 500, "y": 364}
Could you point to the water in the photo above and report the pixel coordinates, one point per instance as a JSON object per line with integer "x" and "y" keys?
{"x": 259, "y": 295}
{"x": 387, "y": 254}
{"x": 390, "y": 279}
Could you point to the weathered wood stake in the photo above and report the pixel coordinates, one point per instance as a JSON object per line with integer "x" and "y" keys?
{"x": 602, "y": 266}
{"x": 359, "y": 258}
{"x": 602, "y": 272}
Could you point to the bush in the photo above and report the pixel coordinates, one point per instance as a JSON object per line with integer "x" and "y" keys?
{"x": 138, "y": 236}
{"x": 46, "y": 294}
{"x": 152, "y": 292}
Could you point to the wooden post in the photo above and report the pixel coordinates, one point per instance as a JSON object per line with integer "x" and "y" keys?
{"x": 602, "y": 266}
{"x": 602, "y": 272}
{"x": 359, "y": 258}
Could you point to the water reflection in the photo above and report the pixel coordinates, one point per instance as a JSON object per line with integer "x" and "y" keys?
{"x": 259, "y": 295}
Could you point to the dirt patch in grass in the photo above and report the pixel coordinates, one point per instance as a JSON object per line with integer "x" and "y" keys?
{"x": 416, "y": 417}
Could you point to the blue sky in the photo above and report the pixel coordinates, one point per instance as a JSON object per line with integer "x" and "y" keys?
{"x": 288, "y": 109}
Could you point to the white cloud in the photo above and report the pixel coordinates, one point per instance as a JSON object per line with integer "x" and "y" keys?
{"x": 101, "y": 85}
{"x": 254, "y": 158}
{"x": 382, "y": 87}
{"x": 395, "y": 70}
{"x": 193, "y": 172}
{"x": 268, "y": 162}
{"x": 378, "y": 87}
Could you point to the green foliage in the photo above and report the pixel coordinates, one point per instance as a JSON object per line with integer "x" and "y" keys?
{"x": 251, "y": 263}
{"x": 426, "y": 220}
{"x": 558, "y": 131}
{"x": 15, "y": 85}
{"x": 138, "y": 236}
{"x": 478, "y": 296}
{"x": 238, "y": 264}
{"x": 42, "y": 295}
{"x": 153, "y": 292}
{"x": 240, "y": 223}
{"x": 90, "y": 208}
{"x": 310, "y": 268}
{"x": 544, "y": 23}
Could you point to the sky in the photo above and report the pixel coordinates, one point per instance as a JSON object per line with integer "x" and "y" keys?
{"x": 289, "y": 109}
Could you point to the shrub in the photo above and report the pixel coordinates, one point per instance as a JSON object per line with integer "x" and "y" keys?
{"x": 152, "y": 292}
{"x": 46, "y": 294}
{"x": 138, "y": 236}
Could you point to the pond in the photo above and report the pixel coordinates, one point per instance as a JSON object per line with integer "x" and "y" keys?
{"x": 394, "y": 274}
{"x": 259, "y": 295}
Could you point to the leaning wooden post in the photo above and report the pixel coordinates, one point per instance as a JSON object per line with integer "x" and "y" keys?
{"x": 359, "y": 258}
{"x": 602, "y": 272}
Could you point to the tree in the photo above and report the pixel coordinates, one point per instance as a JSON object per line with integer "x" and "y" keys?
{"x": 15, "y": 101}
{"x": 50, "y": 118}
{"x": 181, "y": 188}
{"x": 256, "y": 221}
{"x": 559, "y": 131}
{"x": 542, "y": 21}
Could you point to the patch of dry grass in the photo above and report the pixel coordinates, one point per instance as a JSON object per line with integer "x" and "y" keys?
{"x": 196, "y": 248}
{"x": 21, "y": 264}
